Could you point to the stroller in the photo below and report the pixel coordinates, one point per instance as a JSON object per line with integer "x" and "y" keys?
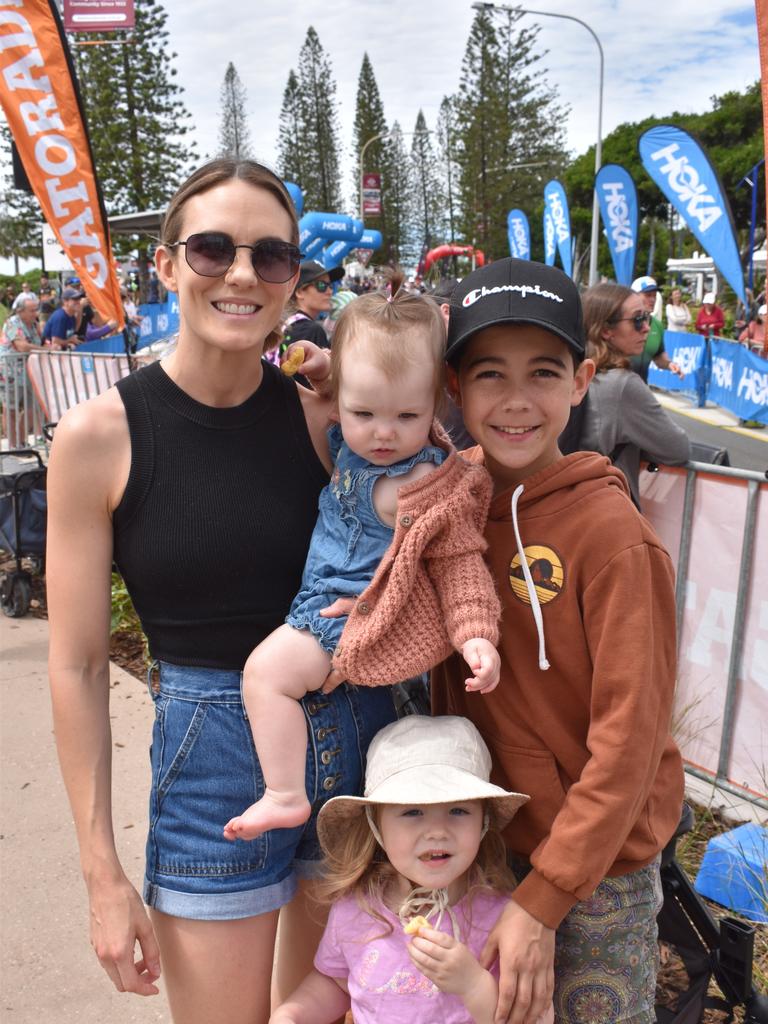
{"x": 23, "y": 506}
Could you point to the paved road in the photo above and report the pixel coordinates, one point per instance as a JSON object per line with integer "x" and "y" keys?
{"x": 747, "y": 448}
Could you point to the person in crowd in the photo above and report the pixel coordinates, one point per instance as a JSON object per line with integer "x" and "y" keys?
{"x": 416, "y": 876}
{"x": 753, "y": 335}
{"x": 175, "y": 475}
{"x": 450, "y": 416}
{"x": 392, "y": 466}
{"x": 588, "y": 661}
{"x": 653, "y": 350}
{"x": 93, "y": 326}
{"x": 25, "y": 293}
{"x": 20, "y": 334}
{"x": 60, "y": 331}
{"x": 710, "y": 320}
{"x": 48, "y": 298}
{"x": 339, "y": 301}
{"x": 310, "y": 300}
{"x": 623, "y": 418}
{"x": 678, "y": 314}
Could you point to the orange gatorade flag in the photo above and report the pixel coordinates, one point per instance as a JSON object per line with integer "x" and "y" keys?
{"x": 761, "y": 8}
{"x": 38, "y": 91}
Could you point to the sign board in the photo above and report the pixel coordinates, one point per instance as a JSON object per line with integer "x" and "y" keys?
{"x": 54, "y": 257}
{"x": 98, "y": 15}
{"x": 372, "y": 194}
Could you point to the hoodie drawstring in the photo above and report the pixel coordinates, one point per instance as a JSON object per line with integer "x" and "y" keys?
{"x": 534, "y": 597}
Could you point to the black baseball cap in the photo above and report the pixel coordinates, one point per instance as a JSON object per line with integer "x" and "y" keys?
{"x": 511, "y": 291}
{"x": 311, "y": 270}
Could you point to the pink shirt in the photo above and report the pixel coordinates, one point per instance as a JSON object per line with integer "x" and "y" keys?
{"x": 384, "y": 984}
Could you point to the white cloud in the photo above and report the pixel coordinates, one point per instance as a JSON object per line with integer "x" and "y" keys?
{"x": 659, "y": 57}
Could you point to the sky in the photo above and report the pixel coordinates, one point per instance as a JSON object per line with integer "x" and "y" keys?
{"x": 661, "y": 56}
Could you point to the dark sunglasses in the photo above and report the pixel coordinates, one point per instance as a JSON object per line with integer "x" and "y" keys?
{"x": 322, "y": 286}
{"x": 212, "y": 253}
{"x": 638, "y": 321}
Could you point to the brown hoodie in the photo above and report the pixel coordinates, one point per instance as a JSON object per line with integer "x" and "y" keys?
{"x": 589, "y": 737}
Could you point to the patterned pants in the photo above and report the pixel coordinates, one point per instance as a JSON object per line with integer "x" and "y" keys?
{"x": 607, "y": 953}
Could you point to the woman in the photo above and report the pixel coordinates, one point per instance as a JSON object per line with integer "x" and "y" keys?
{"x": 312, "y": 297}
{"x": 678, "y": 314}
{"x": 174, "y": 474}
{"x": 753, "y": 335}
{"x": 622, "y": 418}
{"x": 710, "y": 319}
{"x": 20, "y": 334}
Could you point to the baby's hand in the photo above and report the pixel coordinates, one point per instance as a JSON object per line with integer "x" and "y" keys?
{"x": 483, "y": 659}
{"x": 445, "y": 961}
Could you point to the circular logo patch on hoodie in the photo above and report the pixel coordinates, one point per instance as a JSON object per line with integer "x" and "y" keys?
{"x": 547, "y": 573}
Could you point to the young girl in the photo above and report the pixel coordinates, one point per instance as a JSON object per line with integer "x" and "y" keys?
{"x": 417, "y": 877}
{"x": 396, "y": 487}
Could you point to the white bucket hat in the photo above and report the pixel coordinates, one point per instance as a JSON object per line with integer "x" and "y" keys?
{"x": 422, "y": 760}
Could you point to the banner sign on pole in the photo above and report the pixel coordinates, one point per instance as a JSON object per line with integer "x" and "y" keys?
{"x": 519, "y": 233}
{"x": 98, "y": 15}
{"x": 557, "y": 204}
{"x": 739, "y": 381}
{"x": 617, "y": 195}
{"x": 689, "y": 351}
{"x": 372, "y": 194}
{"x": 39, "y": 94}
{"x": 549, "y": 238}
{"x": 682, "y": 170}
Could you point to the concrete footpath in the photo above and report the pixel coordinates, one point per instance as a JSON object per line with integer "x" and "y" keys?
{"x": 48, "y": 971}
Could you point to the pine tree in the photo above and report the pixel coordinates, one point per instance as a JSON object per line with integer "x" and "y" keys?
{"x": 234, "y": 134}
{"x": 319, "y": 127}
{"x": 446, "y": 141}
{"x": 137, "y": 118}
{"x": 291, "y": 143}
{"x": 506, "y": 116}
{"x": 21, "y": 219}
{"x": 403, "y": 247}
{"x": 428, "y": 200}
{"x": 370, "y": 123}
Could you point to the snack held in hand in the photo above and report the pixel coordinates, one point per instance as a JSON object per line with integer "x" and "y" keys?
{"x": 412, "y": 927}
{"x": 290, "y": 366}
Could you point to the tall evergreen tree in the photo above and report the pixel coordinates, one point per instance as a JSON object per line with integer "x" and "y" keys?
{"x": 506, "y": 117}
{"x": 137, "y": 118}
{"x": 234, "y": 134}
{"x": 370, "y": 123}
{"x": 21, "y": 219}
{"x": 428, "y": 199}
{"x": 403, "y": 247}
{"x": 291, "y": 144}
{"x": 449, "y": 170}
{"x": 321, "y": 178}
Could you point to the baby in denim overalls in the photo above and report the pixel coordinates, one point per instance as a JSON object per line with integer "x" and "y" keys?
{"x": 387, "y": 366}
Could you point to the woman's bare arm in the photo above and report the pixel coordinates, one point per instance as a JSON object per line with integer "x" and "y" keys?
{"x": 88, "y": 468}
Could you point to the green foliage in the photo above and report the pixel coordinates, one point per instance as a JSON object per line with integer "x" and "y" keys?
{"x": 400, "y": 201}
{"x": 428, "y": 198}
{"x": 370, "y": 123}
{"x": 21, "y": 218}
{"x": 234, "y": 134}
{"x": 505, "y": 117}
{"x": 290, "y": 143}
{"x": 732, "y": 135}
{"x": 123, "y": 616}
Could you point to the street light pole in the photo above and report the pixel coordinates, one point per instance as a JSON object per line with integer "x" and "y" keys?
{"x": 599, "y": 146}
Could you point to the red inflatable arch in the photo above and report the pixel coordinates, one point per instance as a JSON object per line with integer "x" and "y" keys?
{"x": 443, "y": 251}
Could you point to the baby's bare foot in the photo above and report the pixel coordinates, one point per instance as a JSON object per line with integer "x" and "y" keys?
{"x": 274, "y": 810}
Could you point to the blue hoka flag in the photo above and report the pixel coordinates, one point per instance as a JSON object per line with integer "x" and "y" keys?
{"x": 681, "y": 169}
{"x": 519, "y": 233}
{"x": 549, "y": 238}
{"x": 557, "y": 203}
{"x": 617, "y": 195}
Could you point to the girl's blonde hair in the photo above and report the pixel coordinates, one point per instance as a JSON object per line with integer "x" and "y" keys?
{"x": 357, "y": 865}
{"x": 389, "y": 319}
{"x": 602, "y": 308}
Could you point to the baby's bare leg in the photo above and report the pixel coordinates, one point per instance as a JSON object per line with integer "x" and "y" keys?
{"x": 282, "y": 669}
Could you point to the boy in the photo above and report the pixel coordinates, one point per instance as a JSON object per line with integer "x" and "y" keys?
{"x": 581, "y": 717}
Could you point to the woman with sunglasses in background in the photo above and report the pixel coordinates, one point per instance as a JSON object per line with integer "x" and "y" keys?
{"x": 622, "y": 418}
{"x": 311, "y": 298}
{"x": 175, "y": 475}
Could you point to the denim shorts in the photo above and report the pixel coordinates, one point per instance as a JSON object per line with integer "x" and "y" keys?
{"x": 205, "y": 771}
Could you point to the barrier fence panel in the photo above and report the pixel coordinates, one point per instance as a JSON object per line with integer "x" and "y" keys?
{"x": 714, "y": 523}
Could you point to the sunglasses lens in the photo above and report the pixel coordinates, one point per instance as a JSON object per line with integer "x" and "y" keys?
{"x": 274, "y": 261}
{"x": 322, "y": 286}
{"x": 210, "y": 254}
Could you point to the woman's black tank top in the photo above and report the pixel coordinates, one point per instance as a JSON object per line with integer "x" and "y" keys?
{"x": 214, "y": 526}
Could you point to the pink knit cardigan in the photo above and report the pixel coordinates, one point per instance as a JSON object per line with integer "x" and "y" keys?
{"x": 432, "y": 590}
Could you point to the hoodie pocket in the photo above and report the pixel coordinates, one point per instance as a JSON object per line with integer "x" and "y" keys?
{"x": 533, "y": 771}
